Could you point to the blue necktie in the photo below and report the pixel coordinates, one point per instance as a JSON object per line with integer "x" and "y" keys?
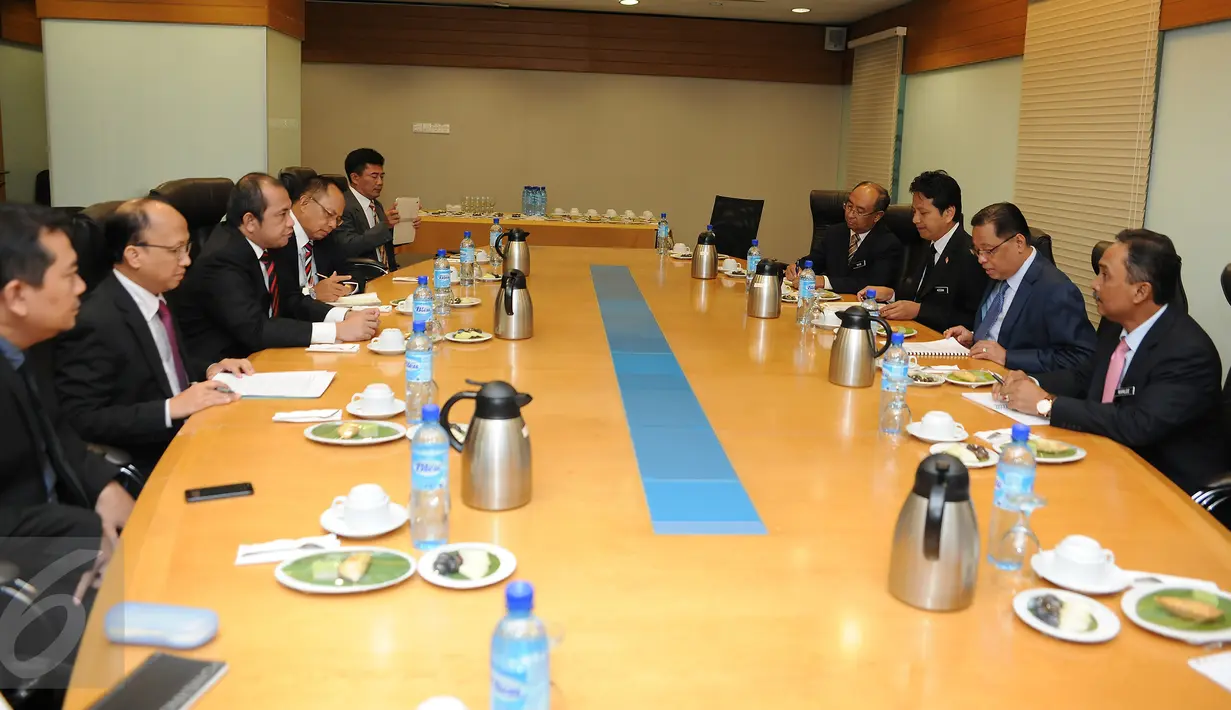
{"x": 991, "y": 309}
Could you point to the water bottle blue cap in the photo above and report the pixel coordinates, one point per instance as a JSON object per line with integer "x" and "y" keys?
{"x": 871, "y": 293}
{"x": 709, "y": 227}
{"x": 419, "y": 326}
{"x": 440, "y": 252}
{"x": 466, "y": 233}
{"x": 755, "y": 242}
{"x": 897, "y": 338}
{"x": 1021, "y": 432}
{"x": 422, "y": 280}
{"x": 664, "y": 215}
{"x": 495, "y": 220}
{"x": 431, "y": 412}
{"x": 519, "y": 595}
{"x": 807, "y": 263}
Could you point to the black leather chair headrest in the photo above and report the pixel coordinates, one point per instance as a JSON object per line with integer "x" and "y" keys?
{"x": 1226, "y": 287}
{"x": 340, "y": 180}
{"x": 294, "y": 178}
{"x": 1042, "y": 241}
{"x": 202, "y": 201}
{"x": 1096, "y": 254}
{"x": 826, "y": 207}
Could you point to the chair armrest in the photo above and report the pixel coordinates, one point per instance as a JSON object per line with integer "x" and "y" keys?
{"x": 116, "y": 456}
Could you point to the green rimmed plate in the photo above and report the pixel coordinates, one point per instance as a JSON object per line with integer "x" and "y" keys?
{"x": 352, "y": 433}
{"x": 485, "y": 564}
{"x": 1140, "y": 605}
{"x": 320, "y": 572}
{"x": 971, "y": 378}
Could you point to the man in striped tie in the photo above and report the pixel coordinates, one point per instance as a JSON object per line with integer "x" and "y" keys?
{"x": 315, "y": 213}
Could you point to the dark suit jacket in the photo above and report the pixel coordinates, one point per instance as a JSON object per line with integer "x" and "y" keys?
{"x": 1167, "y": 406}
{"x": 223, "y": 304}
{"x": 1046, "y": 327}
{"x": 952, "y": 288}
{"x": 24, "y": 509}
{"x": 876, "y": 261}
{"x": 110, "y": 380}
{"x": 353, "y": 238}
{"x": 286, "y": 265}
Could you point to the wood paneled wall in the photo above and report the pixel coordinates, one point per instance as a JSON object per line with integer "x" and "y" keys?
{"x": 495, "y": 38}
{"x": 286, "y": 16}
{"x": 1186, "y": 13}
{"x": 19, "y": 23}
{"x": 949, "y": 33}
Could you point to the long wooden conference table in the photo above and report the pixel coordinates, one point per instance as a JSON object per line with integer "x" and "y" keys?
{"x": 656, "y": 613}
{"x": 445, "y": 232}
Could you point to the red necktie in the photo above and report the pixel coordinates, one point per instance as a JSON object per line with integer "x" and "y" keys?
{"x": 164, "y": 315}
{"x": 307, "y": 264}
{"x": 271, "y": 277}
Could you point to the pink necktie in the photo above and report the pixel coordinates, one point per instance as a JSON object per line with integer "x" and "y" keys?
{"x": 1114, "y": 371}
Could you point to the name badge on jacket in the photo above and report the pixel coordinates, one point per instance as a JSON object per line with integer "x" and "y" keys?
{"x": 942, "y": 289}
{"x": 1126, "y": 392}
{"x": 859, "y": 264}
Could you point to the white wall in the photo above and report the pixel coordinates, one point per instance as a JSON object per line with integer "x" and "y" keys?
{"x": 131, "y": 105}
{"x": 963, "y": 120}
{"x": 24, "y": 118}
{"x": 282, "y": 71}
{"x": 1190, "y": 169}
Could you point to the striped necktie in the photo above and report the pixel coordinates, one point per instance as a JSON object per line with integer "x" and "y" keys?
{"x": 271, "y": 278}
{"x": 850, "y": 249}
{"x": 990, "y": 311}
{"x": 309, "y": 269}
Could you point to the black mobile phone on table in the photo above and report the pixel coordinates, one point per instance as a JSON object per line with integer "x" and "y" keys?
{"x": 231, "y": 490}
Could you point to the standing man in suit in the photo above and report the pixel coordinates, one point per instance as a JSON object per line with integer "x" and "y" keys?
{"x": 231, "y": 304}
{"x": 863, "y": 251}
{"x": 1153, "y": 382}
{"x": 367, "y": 227}
{"x": 945, "y": 285}
{"x": 316, "y": 211}
{"x": 51, "y": 486}
{"x": 1032, "y": 318}
{"x": 122, "y": 375}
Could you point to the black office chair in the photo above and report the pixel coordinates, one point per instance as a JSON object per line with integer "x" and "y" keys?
{"x": 736, "y": 221}
{"x": 294, "y": 177}
{"x": 340, "y": 180}
{"x": 899, "y": 219}
{"x": 202, "y": 201}
{"x": 30, "y": 688}
{"x": 826, "y": 206}
{"x": 42, "y": 188}
{"x": 87, "y": 238}
{"x": 1096, "y": 254}
{"x": 1042, "y": 241}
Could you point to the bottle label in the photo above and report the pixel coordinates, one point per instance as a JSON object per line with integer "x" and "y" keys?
{"x": 807, "y": 287}
{"x": 508, "y": 688}
{"x": 429, "y": 466}
{"x": 1011, "y": 480}
{"x": 418, "y": 366}
{"x": 752, "y": 264}
{"x": 441, "y": 278}
{"x": 467, "y": 255}
{"x": 663, "y": 230}
{"x": 893, "y": 375}
{"x": 421, "y": 310}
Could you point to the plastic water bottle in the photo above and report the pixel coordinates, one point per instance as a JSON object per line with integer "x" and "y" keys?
{"x": 521, "y": 675}
{"x": 540, "y": 201}
{"x": 869, "y": 301}
{"x": 807, "y": 291}
{"x": 421, "y": 302}
{"x": 442, "y": 282}
{"x": 467, "y": 259}
{"x": 664, "y": 229}
{"x": 525, "y": 200}
{"x": 493, "y": 233}
{"x": 429, "y": 482}
{"x": 420, "y": 389}
{"x": 754, "y": 258}
{"x": 1014, "y": 477}
{"x": 895, "y": 376}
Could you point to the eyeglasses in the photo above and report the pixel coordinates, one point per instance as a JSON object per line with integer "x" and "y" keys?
{"x": 337, "y": 219}
{"x": 847, "y": 206}
{"x": 179, "y": 250}
{"x": 988, "y": 252}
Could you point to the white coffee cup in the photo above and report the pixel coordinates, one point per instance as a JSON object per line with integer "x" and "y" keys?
{"x": 559, "y": 211}
{"x": 611, "y": 213}
{"x": 730, "y": 265}
{"x": 1082, "y": 559}
{"x": 376, "y": 397}
{"x": 940, "y": 425}
{"x": 629, "y": 214}
{"x": 592, "y": 213}
{"x": 680, "y": 248}
{"x": 647, "y": 215}
{"x": 365, "y": 510}
{"x": 454, "y": 274}
{"x": 828, "y": 319}
{"x": 574, "y": 211}
{"x": 391, "y": 339}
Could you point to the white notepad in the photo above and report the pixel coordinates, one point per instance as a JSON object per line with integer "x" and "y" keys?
{"x": 1216, "y": 667}
{"x": 948, "y": 347}
{"x": 306, "y": 384}
{"x": 985, "y": 399}
{"x": 404, "y": 230}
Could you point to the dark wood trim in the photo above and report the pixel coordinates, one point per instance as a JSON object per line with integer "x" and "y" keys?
{"x": 547, "y": 40}
{"x": 19, "y": 23}
{"x": 1187, "y": 13}
{"x": 285, "y": 16}
{"x": 950, "y": 33}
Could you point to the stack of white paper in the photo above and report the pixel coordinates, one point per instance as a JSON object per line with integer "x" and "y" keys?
{"x": 949, "y": 347}
{"x": 985, "y": 399}
{"x": 306, "y": 384}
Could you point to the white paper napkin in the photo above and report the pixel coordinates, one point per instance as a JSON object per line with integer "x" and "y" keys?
{"x": 334, "y": 348}
{"x": 304, "y": 416}
{"x": 1216, "y": 667}
{"x": 358, "y": 299}
{"x": 279, "y": 550}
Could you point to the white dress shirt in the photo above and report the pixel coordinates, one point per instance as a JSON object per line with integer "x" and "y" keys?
{"x": 301, "y": 241}
{"x": 147, "y": 304}
{"x": 940, "y": 244}
{"x": 369, "y": 206}
{"x": 1011, "y": 285}
{"x": 324, "y": 332}
{"x": 858, "y": 243}
{"x": 1135, "y": 338}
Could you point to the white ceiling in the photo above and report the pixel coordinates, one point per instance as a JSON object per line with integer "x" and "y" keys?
{"x": 833, "y": 12}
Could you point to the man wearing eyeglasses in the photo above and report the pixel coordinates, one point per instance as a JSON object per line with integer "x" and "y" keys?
{"x": 862, "y": 251}
{"x": 315, "y": 213}
{"x": 122, "y": 373}
{"x": 1032, "y": 318}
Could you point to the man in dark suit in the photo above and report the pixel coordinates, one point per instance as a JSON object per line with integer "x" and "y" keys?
{"x": 51, "y": 486}
{"x": 1153, "y": 381}
{"x": 231, "y": 303}
{"x": 122, "y": 376}
{"x": 367, "y": 227}
{"x": 945, "y": 284}
{"x": 316, "y": 210}
{"x": 1032, "y": 318}
{"x": 848, "y": 257}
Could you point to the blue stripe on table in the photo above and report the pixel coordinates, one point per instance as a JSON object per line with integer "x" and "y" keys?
{"x": 689, "y": 483}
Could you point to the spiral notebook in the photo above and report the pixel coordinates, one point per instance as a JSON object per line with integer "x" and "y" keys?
{"x": 938, "y": 348}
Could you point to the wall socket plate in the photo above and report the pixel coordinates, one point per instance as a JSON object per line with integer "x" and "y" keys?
{"x": 442, "y": 128}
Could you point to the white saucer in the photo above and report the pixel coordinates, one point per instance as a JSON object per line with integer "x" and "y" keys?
{"x": 1108, "y": 624}
{"x": 961, "y": 435}
{"x": 1113, "y": 581}
{"x": 373, "y": 347}
{"x": 993, "y": 457}
{"x": 355, "y": 409}
{"x": 333, "y": 521}
{"x": 453, "y": 338}
{"x": 466, "y": 302}
{"x": 735, "y": 273}
{"x": 681, "y": 257}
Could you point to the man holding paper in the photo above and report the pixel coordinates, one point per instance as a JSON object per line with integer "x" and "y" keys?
{"x": 367, "y": 228}
{"x": 1154, "y": 380}
{"x": 231, "y": 301}
{"x": 1033, "y": 318}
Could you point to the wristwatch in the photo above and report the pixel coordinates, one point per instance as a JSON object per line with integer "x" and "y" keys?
{"x": 309, "y": 291}
{"x": 1044, "y": 406}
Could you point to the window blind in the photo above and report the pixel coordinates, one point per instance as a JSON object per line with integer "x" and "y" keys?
{"x": 1086, "y": 121}
{"x": 876, "y": 82}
